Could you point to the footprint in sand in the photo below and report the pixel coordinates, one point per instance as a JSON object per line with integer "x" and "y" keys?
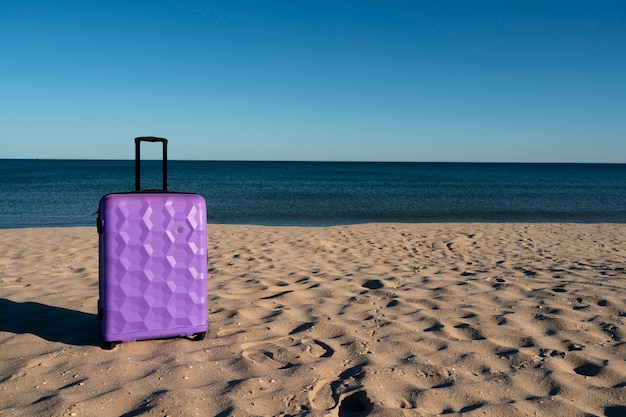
{"x": 286, "y": 352}
{"x": 317, "y": 348}
{"x": 266, "y": 357}
{"x": 325, "y": 394}
{"x": 373, "y": 284}
{"x": 588, "y": 369}
{"x": 356, "y": 403}
{"x": 322, "y": 395}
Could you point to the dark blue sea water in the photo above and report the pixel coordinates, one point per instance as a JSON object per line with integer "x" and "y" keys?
{"x": 36, "y": 193}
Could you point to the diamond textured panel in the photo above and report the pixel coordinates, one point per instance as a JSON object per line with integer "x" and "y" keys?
{"x": 153, "y": 265}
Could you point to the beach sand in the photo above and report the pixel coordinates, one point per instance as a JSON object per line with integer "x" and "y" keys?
{"x": 374, "y": 319}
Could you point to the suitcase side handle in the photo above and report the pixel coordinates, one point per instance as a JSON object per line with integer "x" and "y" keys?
{"x": 138, "y": 159}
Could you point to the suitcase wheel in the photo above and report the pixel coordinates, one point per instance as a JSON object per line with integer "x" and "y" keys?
{"x": 109, "y": 345}
{"x": 198, "y": 336}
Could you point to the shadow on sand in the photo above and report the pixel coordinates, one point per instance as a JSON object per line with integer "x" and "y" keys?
{"x": 55, "y": 324}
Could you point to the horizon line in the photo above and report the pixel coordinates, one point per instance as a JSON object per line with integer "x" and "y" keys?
{"x": 318, "y": 161}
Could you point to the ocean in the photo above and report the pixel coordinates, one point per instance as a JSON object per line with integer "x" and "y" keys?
{"x": 50, "y": 193}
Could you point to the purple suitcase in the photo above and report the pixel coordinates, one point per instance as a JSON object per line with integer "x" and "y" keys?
{"x": 153, "y": 262}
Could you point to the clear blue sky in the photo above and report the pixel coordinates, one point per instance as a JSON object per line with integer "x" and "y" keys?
{"x": 506, "y": 81}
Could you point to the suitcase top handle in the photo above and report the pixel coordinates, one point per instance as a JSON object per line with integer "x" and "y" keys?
{"x": 138, "y": 159}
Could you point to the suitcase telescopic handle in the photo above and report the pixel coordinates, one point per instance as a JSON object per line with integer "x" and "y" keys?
{"x": 138, "y": 159}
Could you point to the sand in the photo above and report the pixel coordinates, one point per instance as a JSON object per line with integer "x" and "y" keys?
{"x": 373, "y": 319}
